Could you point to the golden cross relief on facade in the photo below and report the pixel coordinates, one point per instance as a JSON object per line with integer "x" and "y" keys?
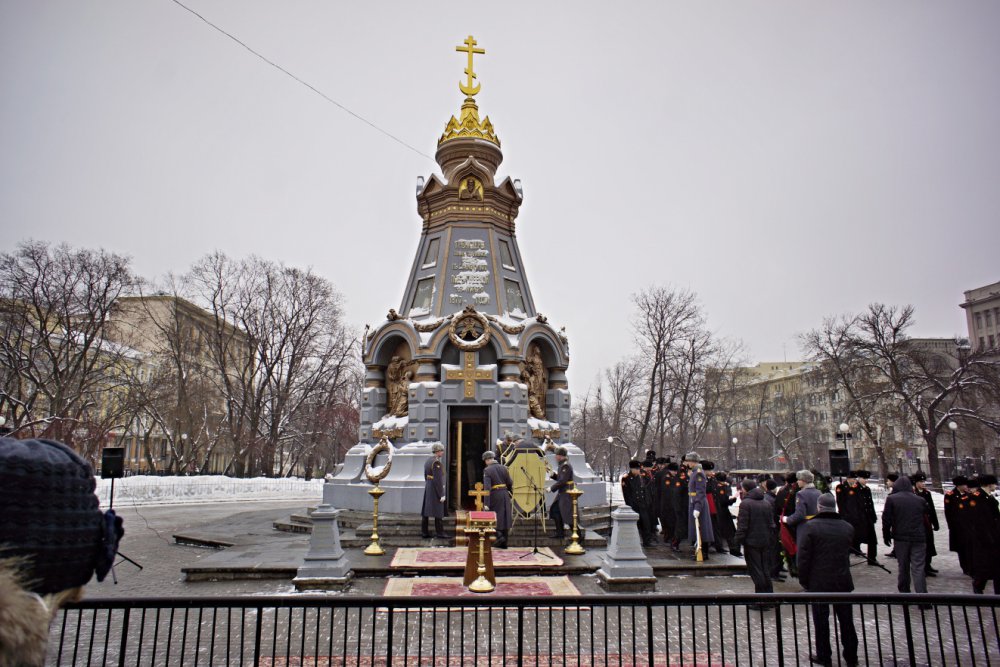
{"x": 470, "y": 87}
{"x": 469, "y": 374}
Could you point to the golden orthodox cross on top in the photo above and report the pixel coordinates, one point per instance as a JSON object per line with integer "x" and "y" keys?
{"x": 469, "y": 374}
{"x": 470, "y": 87}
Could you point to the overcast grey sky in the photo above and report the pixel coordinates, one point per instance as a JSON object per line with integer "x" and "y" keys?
{"x": 784, "y": 160}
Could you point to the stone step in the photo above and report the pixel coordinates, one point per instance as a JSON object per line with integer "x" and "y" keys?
{"x": 595, "y": 519}
{"x": 362, "y": 537}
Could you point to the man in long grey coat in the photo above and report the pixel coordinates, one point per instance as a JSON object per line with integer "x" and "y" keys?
{"x": 562, "y": 509}
{"x": 698, "y": 510}
{"x": 496, "y": 479}
{"x": 434, "y": 496}
{"x": 806, "y": 500}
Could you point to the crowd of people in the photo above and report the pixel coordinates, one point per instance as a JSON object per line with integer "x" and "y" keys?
{"x": 796, "y": 525}
{"x": 670, "y": 496}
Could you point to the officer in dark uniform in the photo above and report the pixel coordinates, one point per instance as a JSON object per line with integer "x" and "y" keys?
{"x": 648, "y": 472}
{"x": 434, "y": 496}
{"x": 659, "y": 472}
{"x": 956, "y": 512}
{"x": 680, "y": 508}
{"x": 496, "y": 480}
{"x": 985, "y": 536}
{"x": 668, "y": 517}
{"x": 931, "y": 523}
{"x": 868, "y": 517}
{"x": 562, "y": 508}
{"x": 636, "y": 492}
{"x": 723, "y": 499}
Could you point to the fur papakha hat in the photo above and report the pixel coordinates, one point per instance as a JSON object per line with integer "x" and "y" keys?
{"x": 51, "y": 517}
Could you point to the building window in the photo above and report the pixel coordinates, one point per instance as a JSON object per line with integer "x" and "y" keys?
{"x": 982, "y": 343}
{"x": 515, "y": 301}
{"x": 431, "y": 256}
{"x": 979, "y": 320}
{"x": 425, "y": 294}
{"x": 993, "y": 341}
{"x": 505, "y": 257}
{"x": 989, "y": 318}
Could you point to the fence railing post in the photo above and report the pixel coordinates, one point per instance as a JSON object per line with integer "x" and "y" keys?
{"x": 520, "y": 636}
{"x": 909, "y": 634}
{"x": 388, "y": 636}
{"x": 649, "y": 633}
{"x": 777, "y": 632}
{"x": 124, "y": 642}
{"x": 256, "y": 636}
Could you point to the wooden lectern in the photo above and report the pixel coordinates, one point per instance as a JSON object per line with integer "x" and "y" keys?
{"x": 481, "y": 526}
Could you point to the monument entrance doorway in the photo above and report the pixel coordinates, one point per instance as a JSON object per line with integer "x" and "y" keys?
{"x": 469, "y": 430}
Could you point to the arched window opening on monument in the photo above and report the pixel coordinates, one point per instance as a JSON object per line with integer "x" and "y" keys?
{"x": 431, "y": 256}
{"x": 515, "y": 302}
{"x": 424, "y": 297}
{"x": 505, "y": 257}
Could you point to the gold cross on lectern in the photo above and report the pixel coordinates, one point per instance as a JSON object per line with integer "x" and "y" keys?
{"x": 470, "y": 374}
{"x": 470, "y": 87}
{"x": 479, "y": 494}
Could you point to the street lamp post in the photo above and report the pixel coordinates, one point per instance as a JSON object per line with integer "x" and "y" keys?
{"x": 735, "y": 456}
{"x": 952, "y": 426}
{"x": 611, "y": 443}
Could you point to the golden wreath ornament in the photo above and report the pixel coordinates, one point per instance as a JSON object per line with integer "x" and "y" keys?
{"x": 470, "y": 330}
{"x": 377, "y": 474}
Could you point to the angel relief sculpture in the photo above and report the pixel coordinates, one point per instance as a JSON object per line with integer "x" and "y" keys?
{"x": 533, "y": 375}
{"x": 398, "y": 375}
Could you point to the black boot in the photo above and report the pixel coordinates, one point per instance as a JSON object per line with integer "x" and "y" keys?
{"x": 425, "y": 531}
{"x": 560, "y": 533}
{"x": 501, "y": 542}
{"x": 439, "y": 528}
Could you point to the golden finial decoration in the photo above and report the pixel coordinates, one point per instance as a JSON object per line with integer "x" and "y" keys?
{"x": 468, "y": 123}
{"x": 470, "y": 87}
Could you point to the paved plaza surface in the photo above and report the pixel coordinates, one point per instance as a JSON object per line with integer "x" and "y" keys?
{"x": 591, "y": 635}
{"x": 149, "y": 541}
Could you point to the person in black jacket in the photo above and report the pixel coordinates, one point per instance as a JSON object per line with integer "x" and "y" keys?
{"x": 636, "y": 492}
{"x": 681, "y": 500}
{"x": 866, "y": 533}
{"x": 668, "y": 516}
{"x": 984, "y": 531}
{"x": 956, "y": 513}
{"x": 723, "y": 500}
{"x": 755, "y": 533}
{"x": 561, "y": 511}
{"x": 930, "y": 520}
{"x": 903, "y": 525}
{"x": 824, "y": 558}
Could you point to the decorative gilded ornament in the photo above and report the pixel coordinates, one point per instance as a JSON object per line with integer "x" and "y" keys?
{"x": 470, "y": 188}
{"x": 376, "y": 474}
{"x": 469, "y": 374}
{"x": 507, "y": 328}
{"x": 468, "y": 125}
{"x": 469, "y": 331}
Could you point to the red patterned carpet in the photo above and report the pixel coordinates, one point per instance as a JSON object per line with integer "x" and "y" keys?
{"x": 446, "y": 586}
{"x": 454, "y": 557}
{"x": 659, "y": 660}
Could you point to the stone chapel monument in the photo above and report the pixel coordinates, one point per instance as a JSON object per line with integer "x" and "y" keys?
{"x": 467, "y": 359}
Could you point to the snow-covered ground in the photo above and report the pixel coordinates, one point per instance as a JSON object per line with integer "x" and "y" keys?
{"x": 149, "y": 490}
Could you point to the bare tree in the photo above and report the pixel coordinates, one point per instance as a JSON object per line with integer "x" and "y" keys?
{"x": 664, "y": 317}
{"x": 61, "y": 378}
{"x": 290, "y": 349}
{"x": 884, "y": 370}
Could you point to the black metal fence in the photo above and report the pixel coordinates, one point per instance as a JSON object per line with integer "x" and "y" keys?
{"x": 340, "y": 631}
